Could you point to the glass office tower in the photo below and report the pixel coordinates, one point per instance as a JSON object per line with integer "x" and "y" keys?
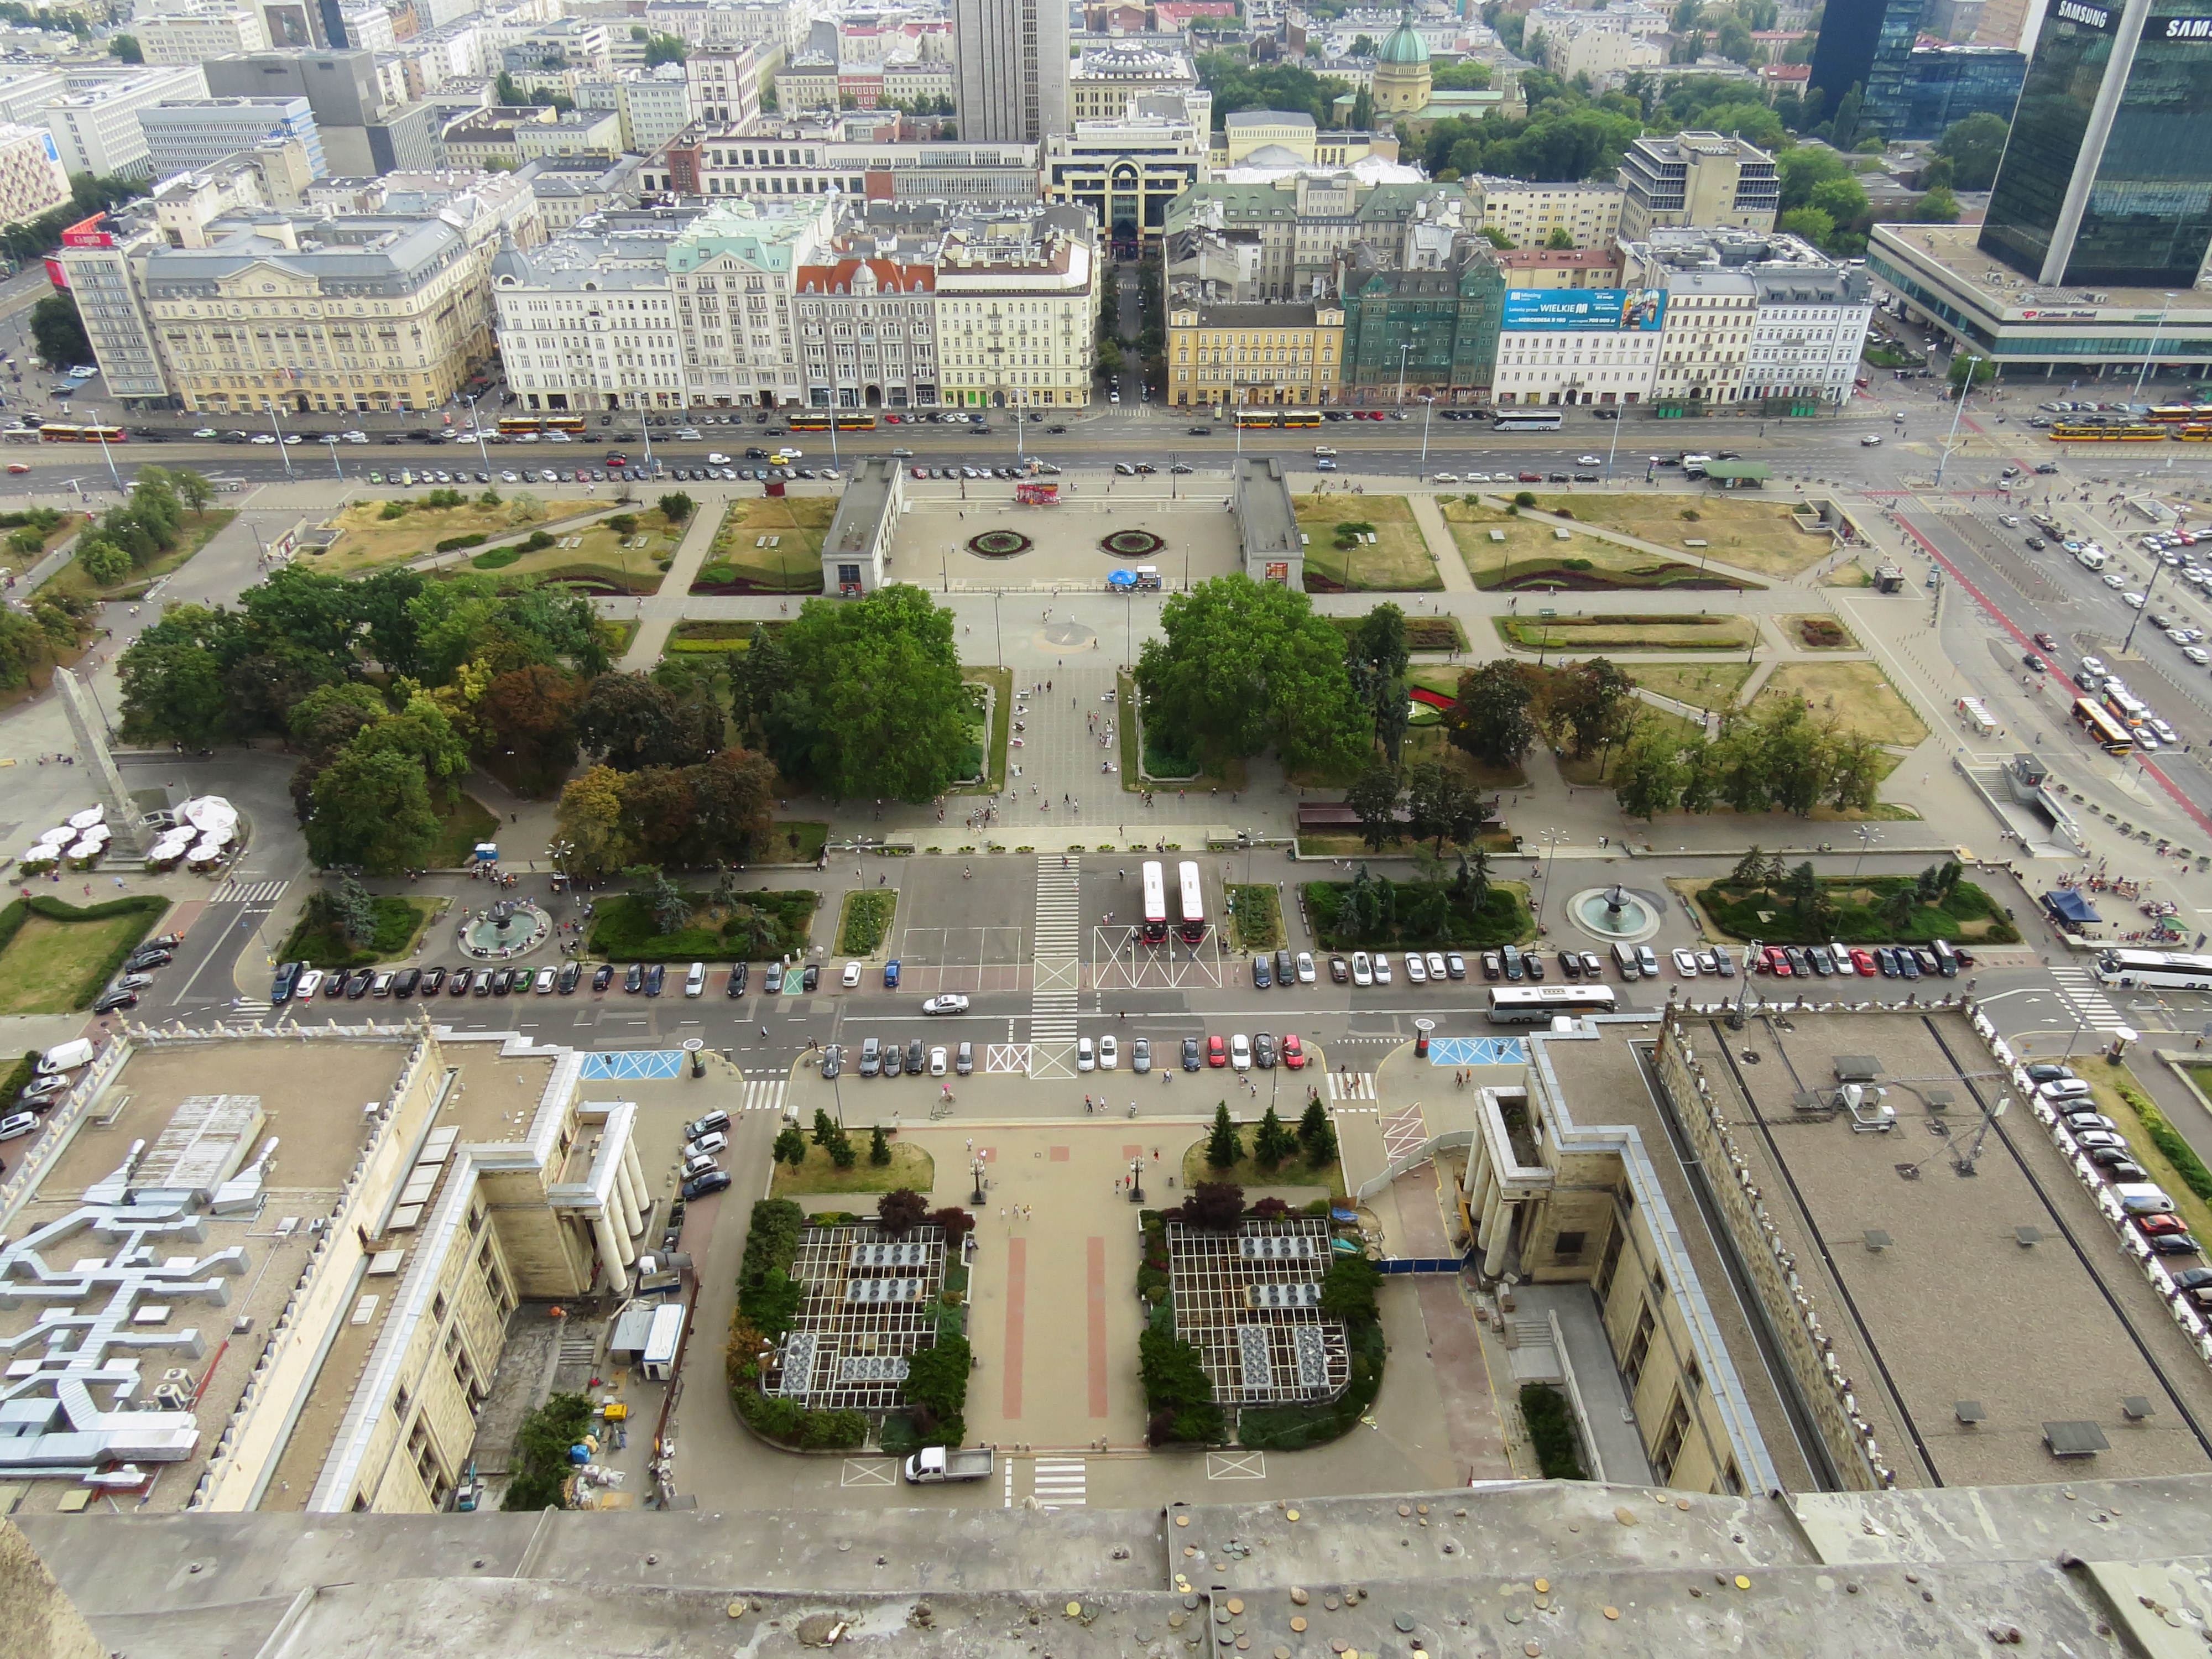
{"x": 2107, "y": 180}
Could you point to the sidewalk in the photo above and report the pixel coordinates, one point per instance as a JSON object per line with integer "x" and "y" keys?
{"x": 657, "y": 615}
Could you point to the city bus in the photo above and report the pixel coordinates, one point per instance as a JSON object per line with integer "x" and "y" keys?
{"x": 1535, "y": 1004}
{"x": 1525, "y": 420}
{"x": 2130, "y": 710}
{"x": 2163, "y": 969}
{"x": 81, "y": 434}
{"x": 856, "y": 422}
{"x": 1193, "y": 926}
{"x": 573, "y": 424}
{"x": 1155, "y": 905}
{"x": 2196, "y": 432}
{"x": 1272, "y": 418}
{"x": 517, "y": 426}
{"x": 2107, "y": 733}
{"x": 2178, "y": 412}
{"x": 2107, "y": 432}
{"x": 807, "y": 420}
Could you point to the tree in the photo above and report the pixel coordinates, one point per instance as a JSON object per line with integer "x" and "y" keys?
{"x": 1649, "y": 777}
{"x": 355, "y": 910}
{"x": 373, "y": 811}
{"x": 1273, "y": 1142}
{"x": 1347, "y": 1289}
{"x": 899, "y": 1210}
{"x": 1317, "y": 1135}
{"x": 1560, "y": 240}
{"x": 1224, "y": 1146}
{"x": 879, "y": 1146}
{"x": 1373, "y": 798}
{"x": 1441, "y": 806}
{"x": 875, "y": 704}
{"x": 1215, "y": 1206}
{"x": 1974, "y": 146}
{"x": 842, "y": 1153}
{"x": 589, "y": 818}
{"x": 1938, "y": 207}
{"x": 193, "y": 489}
{"x": 1802, "y": 168}
{"x": 1490, "y": 719}
{"x": 1809, "y": 223}
{"x": 664, "y": 49}
{"x": 1589, "y": 705}
{"x": 530, "y": 713}
{"x": 825, "y": 1127}
{"x": 126, "y": 48}
{"x": 790, "y": 1145}
{"x": 58, "y": 332}
{"x": 676, "y": 507}
{"x": 1967, "y": 364}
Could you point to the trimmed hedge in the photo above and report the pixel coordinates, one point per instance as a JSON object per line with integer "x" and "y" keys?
{"x": 1735, "y": 908}
{"x": 867, "y": 919}
{"x": 1551, "y": 1431}
{"x": 320, "y": 943}
{"x": 1423, "y": 913}
{"x": 772, "y": 922}
{"x": 2168, "y": 1140}
{"x": 453, "y": 542}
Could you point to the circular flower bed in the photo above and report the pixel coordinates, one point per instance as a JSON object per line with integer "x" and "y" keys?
{"x": 1133, "y": 543}
{"x": 998, "y": 544}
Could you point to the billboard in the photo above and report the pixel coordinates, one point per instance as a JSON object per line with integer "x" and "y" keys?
{"x": 1584, "y": 310}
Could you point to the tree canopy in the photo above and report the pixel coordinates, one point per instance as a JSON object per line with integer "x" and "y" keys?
{"x": 872, "y": 704}
{"x": 1241, "y": 664}
{"x": 1974, "y": 146}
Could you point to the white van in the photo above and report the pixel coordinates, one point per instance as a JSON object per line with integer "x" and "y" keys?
{"x": 2090, "y": 558}
{"x": 2141, "y": 1197}
{"x": 695, "y": 982}
{"x": 67, "y": 1057}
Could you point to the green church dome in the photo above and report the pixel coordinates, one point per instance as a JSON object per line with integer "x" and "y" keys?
{"x": 1404, "y": 45}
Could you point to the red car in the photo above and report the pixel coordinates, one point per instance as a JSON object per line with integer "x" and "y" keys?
{"x": 1532, "y": 478}
{"x": 1778, "y": 962}
{"x": 1864, "y": 961}
{"x": 2153, "y": 1225}
{"x": 1217, "y": 1052}
{"x": 1293, "y": 1052}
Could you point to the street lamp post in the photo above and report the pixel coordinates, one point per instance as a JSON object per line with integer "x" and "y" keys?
{"x": 2153, "y": 351}
{"x": 107, "y": 454}
{"x": 475, "y": 427}
{"x": 1551, "y": 838}
{"x": 284, "y": 449}
{"x": 338, "y": 471}
{"x": 1613, "y": 448}
{"x": 1404, "y": 351}
{"x": 1428, "y": 413}
{"x": 1958, "y": 414}
{"x": 2155, "y": 571}
{"x": 1869, "y": 835}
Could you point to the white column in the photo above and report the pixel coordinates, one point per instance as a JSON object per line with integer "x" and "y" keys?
{"x": 618, "y": 1200}
{"x": 1501, "y": 1229}
{"x": 636, "y": 1175}
{"x": 1478, "y": 1177}
{"x": 1487, "y": 1227}
{"x": 612, "y": 1259}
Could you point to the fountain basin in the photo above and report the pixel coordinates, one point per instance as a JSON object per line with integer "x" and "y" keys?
{"x": 1616, "y": 915}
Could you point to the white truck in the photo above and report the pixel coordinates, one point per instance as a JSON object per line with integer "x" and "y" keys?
{"x": 934, "y": 1463}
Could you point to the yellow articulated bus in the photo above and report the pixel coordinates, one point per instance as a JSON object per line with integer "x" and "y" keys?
{"x": 2114, "y": 432}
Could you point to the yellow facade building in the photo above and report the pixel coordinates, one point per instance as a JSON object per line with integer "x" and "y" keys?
{"x": 1237, "y": 356}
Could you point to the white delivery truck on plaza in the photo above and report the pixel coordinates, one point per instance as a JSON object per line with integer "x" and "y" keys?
{"x": 935, "y": 1463}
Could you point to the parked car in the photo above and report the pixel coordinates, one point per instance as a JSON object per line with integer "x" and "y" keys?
{"x": 1190, "y": 1052}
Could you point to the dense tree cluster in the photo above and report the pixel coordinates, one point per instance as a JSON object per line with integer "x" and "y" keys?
{"x": 1774, "y": 760}
{"x": 132, "y": 535}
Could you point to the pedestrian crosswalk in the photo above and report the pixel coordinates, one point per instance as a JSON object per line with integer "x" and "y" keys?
{"x": 253, "y": 1007}
{"x": 1351, "y": 1086}
{"x": 765, "y": 1097}
{"x": 2081, "y": 991}
{"x": 1056, "y": 980}
{"x": 257, "y": 892}
{"x": 1058, "y": 1483}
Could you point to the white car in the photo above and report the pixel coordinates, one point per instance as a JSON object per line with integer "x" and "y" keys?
{"x": 1382, "y": 968}
{"x": 1240, "y": 1052}
{"x": 19, "y": 1123}
{"x": 1417, "y": 971}
{"x": 1872, "y": 441}
{"x": 510, "y": 477}
{"x": 1086, "y": 1057}
{"x": 2197, "y": 654}
{"x": 1445, "y": 477}
{"x": 546, "y": 976}
{"x": 265, "y": 437}
{"x": 309, "y": 983}
{"x": 705, "y": 1145}
{"x": 1590, "y": 460}
{"x": 2113, "y": 580}
{"x": 1305, "y": 968}
{"x": 938, "y": 1062}
{"x": 2092, "y": 664}
{"x": 2133, "y": 601}
{"x": 851, "y": 976}
{"x": 950, "y": 1003}
{"x": 354, "y": 437}
{"x": 715, "y": 458}
{"x": 1436, "y": 968}
{"x": 2165, "y": 733}
{"x": 903, "y": 454}
{"x": 1685, "y": 963}
{"x": 1362, "y": 970}
{"x": 1109, "y": 1054}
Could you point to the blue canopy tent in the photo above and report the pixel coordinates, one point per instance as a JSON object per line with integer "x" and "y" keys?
{"x": 2069, "y": 909}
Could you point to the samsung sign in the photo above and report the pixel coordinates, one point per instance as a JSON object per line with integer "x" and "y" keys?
{"x": 2179, "y": 28}
{"x": 1584, "y": 310}
{"x": 2088, "y": 17}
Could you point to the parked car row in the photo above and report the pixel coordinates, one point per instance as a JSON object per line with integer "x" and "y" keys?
{"x": 1238, "y": 1052}
{"x": 703, "y": 1138}
{"x": 1938, "y": 959}
{"x": 136, "y": 973}
{"x": 881, "y": 1058}
{"x": 2148, "y": 1208}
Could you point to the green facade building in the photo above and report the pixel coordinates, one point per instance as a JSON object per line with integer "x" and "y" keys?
{"x": 1421, "y": 333}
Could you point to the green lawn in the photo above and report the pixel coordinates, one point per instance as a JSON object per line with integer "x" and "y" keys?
{"x": 462, "y": 823}
{"x": 738, "y": 563}
{"x": 318, "y": 941}
{"x": 1292, "y": 1172}
{"x": 1968, "y": 917}
{"x": 757, "y": 925}
{"x": 992, "y": 741}
{"x": 794, "y": 841}
{"x": 59, "y": 956}
{"x": 910, "y": 1167}
{"x": 1700, "y": 684}
{"x": 1660, "y": 631}
{"x": 199, "y": 530}
{"x": 1398, "y": 560}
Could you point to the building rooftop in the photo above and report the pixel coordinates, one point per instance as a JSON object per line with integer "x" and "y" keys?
{"x": 2002, "y": 1288}
{"x": 2004, "y": 293}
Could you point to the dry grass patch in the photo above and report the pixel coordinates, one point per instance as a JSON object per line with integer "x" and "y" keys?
{"x": 1398, "y": 560}
{"x": 1509, "y": 549}
{"x": 738, "y": 562}
{"x": 1759, "y": 536}
{"x": 1701, "y": 686}
{"x": 1856, "y": 696}
{"x": 371, "y": 539}
{"x": 632, "y": 561}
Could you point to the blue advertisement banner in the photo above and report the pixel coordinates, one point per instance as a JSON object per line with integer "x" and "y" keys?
{"x": 1584, "y": 310}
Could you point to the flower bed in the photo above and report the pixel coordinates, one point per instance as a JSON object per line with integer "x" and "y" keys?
{"x": 1133, "y": 543}
{"x": 999, "y": 544}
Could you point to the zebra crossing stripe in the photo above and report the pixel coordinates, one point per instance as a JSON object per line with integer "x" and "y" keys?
{"x": 1059, "y": 1483}
{"x": 1359, "y": 1085}
{"x": 2087, "y": 998}
{"x": 765, "y": 1097}
{"x": 259, "y": 892}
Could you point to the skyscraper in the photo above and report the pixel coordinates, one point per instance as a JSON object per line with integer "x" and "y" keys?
{"x": 2106, "y": 181}
{"x": 1009, "y": 73}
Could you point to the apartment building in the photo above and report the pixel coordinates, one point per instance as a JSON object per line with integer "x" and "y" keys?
{"x": 31, "y": 177}
{"x": 772, "y": 166}
{"x": 722, "y": 85}
{"x": 1697, "y": 179}
{"x": 25, "y": 92}
{"x": 734, "y": 270}
{"x": 593, "y": 132}
{"x": 1811, "y": 313}
{"x": 1528, "y": 212}
{"x": 1228, "y": 356}
{"x": 182, "y": 135}
{"x": 1705, "y": 345}
{"x": 96, "y": 121}
{"x": 193, "y": 36}
{"x": 867, "y": 330}
{"x": 1579, "y": 345}
{"x": 103, "y": 258}
{"x": 476, "y": 141}
{"x": 1577, "y": 267}
{"x": 573, "y": 188}
{"x": 1018, "y": 302}
{"x": 589, "y": 321}
{"x": 1300, "y": 221}
{"x": 1431, "y": 331}
{"x": 1604, "y": 44}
